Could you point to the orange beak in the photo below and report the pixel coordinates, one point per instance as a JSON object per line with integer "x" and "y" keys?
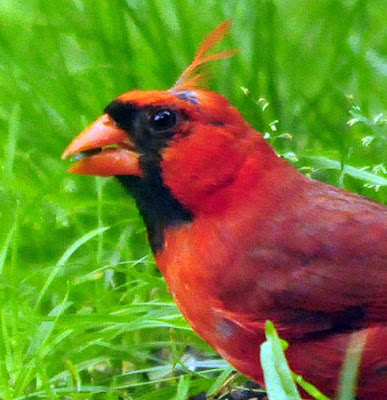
{"x": 114, "y": 152}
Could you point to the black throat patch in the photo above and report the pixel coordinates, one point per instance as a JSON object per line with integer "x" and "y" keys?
{"x": 157, "y": 206}
{"x": 156, "y": 203}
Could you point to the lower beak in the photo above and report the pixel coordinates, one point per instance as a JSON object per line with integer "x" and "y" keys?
{"x": 96, "y": 158}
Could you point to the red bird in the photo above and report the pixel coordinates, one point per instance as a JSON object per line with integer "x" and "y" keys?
{"x": 242, "y": 237}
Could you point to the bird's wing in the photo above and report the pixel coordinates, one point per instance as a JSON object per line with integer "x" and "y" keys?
{"x": 323, "y": 268}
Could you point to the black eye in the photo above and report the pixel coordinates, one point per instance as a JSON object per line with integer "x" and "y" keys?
{"x": 163, "y": 120}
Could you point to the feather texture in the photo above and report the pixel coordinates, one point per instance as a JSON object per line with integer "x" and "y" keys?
{"x": 192, "y": 77}
{"x": 241, "y": 236}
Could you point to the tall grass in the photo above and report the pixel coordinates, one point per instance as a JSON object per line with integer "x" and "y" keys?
{"x": 84, "y": 313}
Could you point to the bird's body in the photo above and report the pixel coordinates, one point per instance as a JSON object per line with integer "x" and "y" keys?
{"x": 250, "y": 268}
{"x": 242, "y": 237}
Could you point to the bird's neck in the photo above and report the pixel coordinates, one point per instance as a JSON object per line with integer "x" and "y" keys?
{"x": 165, "y": 202}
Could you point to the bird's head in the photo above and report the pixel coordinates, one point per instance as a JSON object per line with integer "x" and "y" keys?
{"x": 175, "y": 150}
{"x": 192, "y": 137}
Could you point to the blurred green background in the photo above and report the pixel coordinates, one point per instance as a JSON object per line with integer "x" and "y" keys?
{"x": 83, "y": 311}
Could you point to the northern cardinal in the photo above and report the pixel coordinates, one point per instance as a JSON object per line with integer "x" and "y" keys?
{"x": 241, "y": 236}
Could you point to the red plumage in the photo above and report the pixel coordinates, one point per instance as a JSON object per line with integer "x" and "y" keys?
{"x": 242, "y": 237}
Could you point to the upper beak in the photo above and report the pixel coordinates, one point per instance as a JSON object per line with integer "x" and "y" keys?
{"x": 118, "y": 160}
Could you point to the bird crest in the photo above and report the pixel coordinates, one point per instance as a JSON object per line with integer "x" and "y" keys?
{"x": 193, "y": 76}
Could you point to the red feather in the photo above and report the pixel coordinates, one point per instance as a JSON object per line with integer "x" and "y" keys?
{"x": 242, "y": 237}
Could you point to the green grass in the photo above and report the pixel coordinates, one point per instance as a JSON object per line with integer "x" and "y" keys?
{"x": 84, "y": 313}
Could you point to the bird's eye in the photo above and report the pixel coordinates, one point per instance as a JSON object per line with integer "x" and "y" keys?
{"x": 163, "y": 120}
